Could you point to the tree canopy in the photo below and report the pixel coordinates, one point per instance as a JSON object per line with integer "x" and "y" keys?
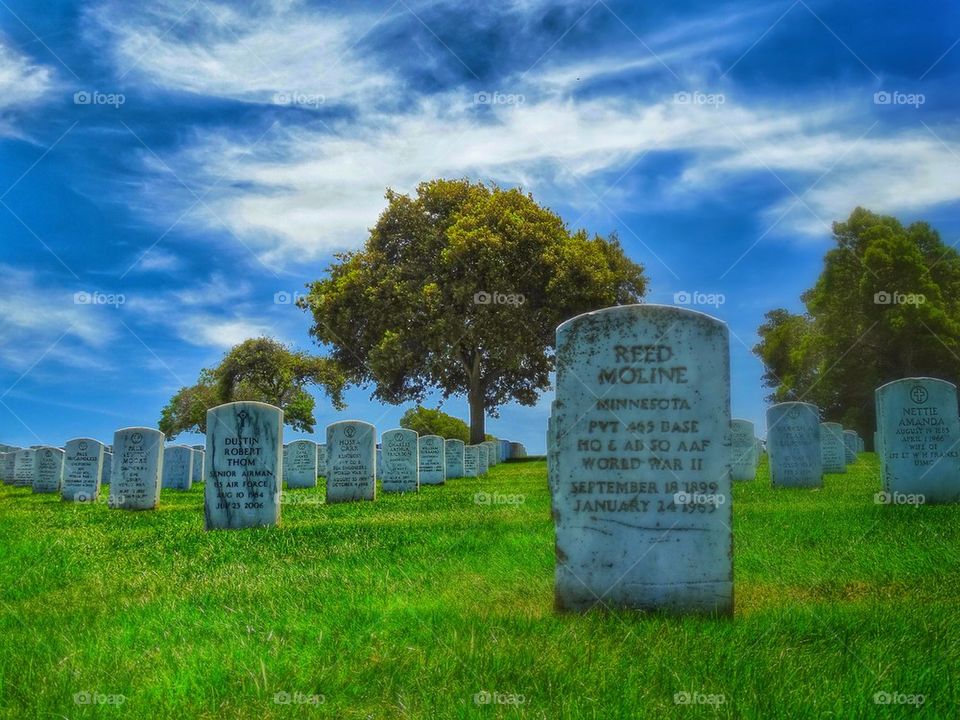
{"x": 886, "y": 306}
{"x": 428, "y": 421}
{"x": 262, "y": 370}
{"x": 459, "y": 289}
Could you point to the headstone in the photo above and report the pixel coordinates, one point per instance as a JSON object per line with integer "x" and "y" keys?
{"x": 743, "y": 451}
{"x": 453, "y": 451}
{"x": 25, "y": 462}
{"x": 861, "y": 447}
{"x": 82, "y": 470}
{"x": 517, "y": 451}
{"x": 483, "y": 461}
{"x": 48, "y": 473}
{"x": 137, "y": 469}
{"x": 198, "y": 454}
{"x": 177, "y": 468}
{"x": 493, "y": 457}
{"x": 793, "y": 441}
{"x": 351, "y": 461}
{"x": 832, "y": 452}
{"x": 850, "y": 446}
{"x": 471, "y": 461}
{"x": 640, "y": 461}
{"x": 8, "y": 465}
{"x": 433, "y": 464}
{"x": 300, "y": 464}
{"x": 503, "y": 450}
{"x": 107, "y": 471}
{"x": 322, "y": 459}
{"x": 244, "y": 466}
{"x": 920, "y": 439}
{"x": 379, "y": 464}
{"x": 400, "y": 461}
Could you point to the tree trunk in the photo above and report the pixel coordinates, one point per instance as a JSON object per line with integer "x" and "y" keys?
{"x": 477, "y": 416}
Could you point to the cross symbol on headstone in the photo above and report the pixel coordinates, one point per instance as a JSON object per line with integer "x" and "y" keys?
{"x": 918, "y": 394}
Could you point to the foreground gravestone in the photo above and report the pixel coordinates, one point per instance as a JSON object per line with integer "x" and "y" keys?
{"x": 24, "y": 465}
{"x": 300, "y": 464}
{"x": 920, "y": 439}
{"x": 483, "y": 459}
{"x": 400, "y": 461}
{"x": 471, "y": 461}
{"x": 640, "y": 461}
{"x": 351, "y": 461}
{"x": 850, "y": 446}
{"x": 793, "y": 443}
{"x": 743, "y": 451}
{"x": 244, "y": 461}
{"x": 833, "y": 455}
{"x": 177, "y": 468}
{"x": 137, "y": 469}
{"x": 82, "y": 470}
{"x": 433, "y": 462}
{"x": 48, "y": 473}
{"x": 453, "y": 458}
{"x": 197, "y": 456}
{"x": 322, "y": 459}
{"x": 107, "y": 471}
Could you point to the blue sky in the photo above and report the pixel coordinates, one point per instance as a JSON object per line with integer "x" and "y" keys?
{"x": 201, "y": 161}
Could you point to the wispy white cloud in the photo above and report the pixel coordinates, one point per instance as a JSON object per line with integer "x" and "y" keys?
{"x": 22, "y": 83}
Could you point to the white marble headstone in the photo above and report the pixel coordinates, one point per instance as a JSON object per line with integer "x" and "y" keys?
{"x": 793, "y": 443}
{"x": 832, "y": 452}
{"x": 198, "y": 453}
{"x": 433, "y": 462}
{"x": 400, "y": 461}
{"x": 471, "y": 461}
{"x": 137, "y": 469}
{"x": 453, "y": 452}
{"x": 351, "y": 461}
{"x": 483, "y": 458}
{"x": 82, "y": 470}
{"x": 300, "y": 464}
{"x": 107, "y": 472}
{"x": 177, "y": 468}
{"x": 48, "y": 472}
{"x": 743, "y": 451}
{"x": 24, "y": 464}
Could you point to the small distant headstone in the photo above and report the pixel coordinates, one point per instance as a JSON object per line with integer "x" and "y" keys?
{"x": 793, "y": 441}
{"x": 198, "y": 455}
{"x": 471, "y": 461}
{"x": 300, "y": 464}
{"x": 743, "y": 451}
{"x": 920, "y": 439}
{"x": 400, "y": 461}
{"x": 493, "y": 458}
{"x": 107, "y": 471}
{"x": 517, "y": 450}
{"x": 433, "y": 465}
{"x": 640, "y": 461}
{"x": 322, "y": 459}
{"x": 24, "y": 466}
{"x": 503, "y": 449}
{"x": 379, "y": 464}
{"x": 850, "y": 446}
{"x": 351, "y": 461}
{"x": 137, "y": 469}
{"x": 8, "y": 465}
{"x": 82, "y": 470}
{"x": 832, "y": 452}
{"x": 48, "y": 473}
{"x": 177, "y": 468}
{"x": 453, "y": 449}
{"x": 483, "y": 461}
{"x": 244, "y": 466}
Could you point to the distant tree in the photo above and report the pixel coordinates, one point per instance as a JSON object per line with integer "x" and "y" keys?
{"x": 435, "y": 422}
{"x": 460, "y": 289}
{"x": 886, "y": 306}
{"x": 261, "y": 370}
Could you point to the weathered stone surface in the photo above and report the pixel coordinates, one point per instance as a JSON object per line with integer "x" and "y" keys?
{"x": 48, "y": 473}
{"x": 453, "y": 451}
{"x": 850, "y": 446}
{"x": 82, "y": 470}
{"x": 743, "y": 451}
{"x": 433, "y": 463}
{"x": 640, "y": 461}
{"x": 107, "y": 471}
{"x": 920, "y": 439}
{"x": 832, "y": 452}
{"x": 24, "y": 465}
{"x": 8, "y": 465}
{"x": 493, "y": 457}
{"x": 471, "y": 461}
{"x": 400, "y": 450}
{"x": 300, "y": 464}
{"x": 793, "y": 442}
{"x": 244, "y": 465}
{"x": 177, "y": 468}
{"x": 351, "y": 461}
{"x": 483, "y": 458}
{"x": 137, "y": 469}
{"x": 198, "y": 459}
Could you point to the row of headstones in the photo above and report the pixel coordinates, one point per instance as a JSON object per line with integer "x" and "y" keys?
{"x": 641, "y": 451}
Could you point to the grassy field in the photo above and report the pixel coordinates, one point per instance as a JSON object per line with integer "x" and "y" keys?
{"x": 435, "y": 606}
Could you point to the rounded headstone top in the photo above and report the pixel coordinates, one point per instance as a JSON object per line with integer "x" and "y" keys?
{"x": 638, "y": 310}
{"x": 919, "y": 380}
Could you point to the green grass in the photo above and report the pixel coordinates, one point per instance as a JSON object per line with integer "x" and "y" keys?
{"x": 409, "y": 606}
